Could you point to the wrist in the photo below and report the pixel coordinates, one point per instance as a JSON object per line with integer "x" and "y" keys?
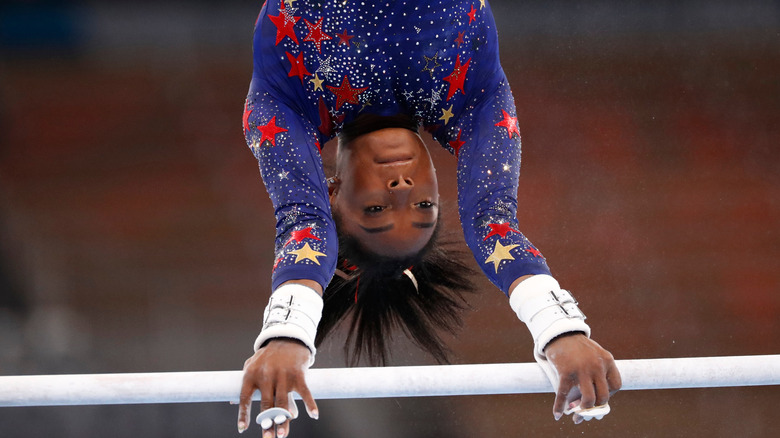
{"x": 547, "y": 310}
{"x": 311, "y": 284}
{"x": 563, "y": 337}
{"x": 293, "y": 312}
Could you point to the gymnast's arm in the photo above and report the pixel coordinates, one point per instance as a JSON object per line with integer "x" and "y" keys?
{"x": 587, "y": 373}
{"x": 487, "y": 143}
{"x": 306, "y": 249}
{"x": 277, "y": 369}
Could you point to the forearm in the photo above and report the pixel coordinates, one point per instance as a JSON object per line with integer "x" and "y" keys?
{"x": 546, "y": 309}
{"x": 308, "y": 283}
{"x": 488, "y": 172}
{"x": 516, "y": 282}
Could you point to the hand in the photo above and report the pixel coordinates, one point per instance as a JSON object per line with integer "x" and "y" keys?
{"x": 588, "y": 375}
{"x": 276, "y": 370}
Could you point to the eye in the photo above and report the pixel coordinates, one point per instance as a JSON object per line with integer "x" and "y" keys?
{"x": 374, "y": 209}
{"x": 425, "y": 204}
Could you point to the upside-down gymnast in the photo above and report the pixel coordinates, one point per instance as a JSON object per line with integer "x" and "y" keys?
{"x": 373, "y": 74}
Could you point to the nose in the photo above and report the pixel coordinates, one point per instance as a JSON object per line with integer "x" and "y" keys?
{"x": 400, "y": 182}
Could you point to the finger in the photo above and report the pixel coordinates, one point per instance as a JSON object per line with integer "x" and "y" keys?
{"x": 587, "y": 401}
{"x": 308, "y": 401}
{"x": 293, "y": 406}
{"x": 282, "y": 426}
{"x": 614, "y": 380}
{"x": 573, "y": 399}
{"x": 266, "y": 394}
{"x": 564, "y": 386}
{"x": 282, "y": 400}
{"x": 588, "y": 390}
{"x": 602, "y": 390}
{"x": 293, "y": 409}
{"x": 267, "y": 402}
{"x": 245, "y": 404}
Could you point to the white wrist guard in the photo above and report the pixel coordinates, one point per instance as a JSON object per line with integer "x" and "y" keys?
{"x": 294, "y": 311}
{"x": 547, "y": 310}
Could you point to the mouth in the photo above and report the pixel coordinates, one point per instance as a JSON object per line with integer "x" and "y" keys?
{"x": 395, "y": 159}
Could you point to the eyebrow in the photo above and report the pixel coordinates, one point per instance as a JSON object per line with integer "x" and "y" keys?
{"x": 390, "y": 227}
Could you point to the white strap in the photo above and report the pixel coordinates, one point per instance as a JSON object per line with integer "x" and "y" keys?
{"x": 597, "y": 412}
{"x": 547, "y": 310}
{"x": 293, "y": 311}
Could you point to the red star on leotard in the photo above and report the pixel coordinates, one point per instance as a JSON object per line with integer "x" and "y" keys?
{"x": 472, "y": 14}
{"x": 344, "y": 38}
{"x": 299, "y": 235}
{"x": 457, "y": 143}
{"x": 297, "y": 68}
{"x": 269, "y": 131}
{"x": 457, "y": 77}
{"x": 459, "y": 40}
{"x": 284, "y": 22}
{"x": 510, "y": 123}
{"x": 247, "y": 112}
{"x": 534, "y": 251}
{"x": 316, "y": 35}
{"x": 499, "y": 229}
{"x": 345, "y": 93}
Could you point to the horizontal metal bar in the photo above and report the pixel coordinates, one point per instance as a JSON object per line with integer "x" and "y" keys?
{"x": 371, "y": 382}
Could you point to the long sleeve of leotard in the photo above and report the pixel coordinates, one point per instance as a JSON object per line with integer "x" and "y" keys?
{"x": 288, "y": 153}
{"x": 486, "y": 140}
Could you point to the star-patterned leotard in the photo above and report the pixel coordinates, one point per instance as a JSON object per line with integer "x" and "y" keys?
{"x": 318, "y": 64}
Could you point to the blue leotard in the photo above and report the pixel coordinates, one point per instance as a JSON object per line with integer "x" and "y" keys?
{"x": 320, "y": 64}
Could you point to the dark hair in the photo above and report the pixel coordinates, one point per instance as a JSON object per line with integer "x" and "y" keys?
{"x": 381, "y": 298}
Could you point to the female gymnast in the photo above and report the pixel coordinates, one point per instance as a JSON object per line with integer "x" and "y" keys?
{"x": 374, "y": 73}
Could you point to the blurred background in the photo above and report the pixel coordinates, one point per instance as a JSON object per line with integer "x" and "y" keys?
{"x": 136, "y": 235}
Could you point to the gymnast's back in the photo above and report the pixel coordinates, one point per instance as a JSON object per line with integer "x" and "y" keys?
{"x": 332, "y": 61}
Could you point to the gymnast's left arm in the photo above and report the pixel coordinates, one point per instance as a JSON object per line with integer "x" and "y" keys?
{"x": 583, "y": 373}
{"x": 486, "y": 140}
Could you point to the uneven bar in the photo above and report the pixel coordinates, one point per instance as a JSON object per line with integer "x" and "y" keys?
{"x": 412, "y": 381}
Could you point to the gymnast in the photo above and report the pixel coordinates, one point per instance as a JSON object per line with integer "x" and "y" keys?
{"x": 364, "y": 245}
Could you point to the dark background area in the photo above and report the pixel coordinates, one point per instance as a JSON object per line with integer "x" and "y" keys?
{"x": 136, "y": 235}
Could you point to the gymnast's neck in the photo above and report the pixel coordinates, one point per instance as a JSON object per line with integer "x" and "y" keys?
{"x": 367, "y": 123}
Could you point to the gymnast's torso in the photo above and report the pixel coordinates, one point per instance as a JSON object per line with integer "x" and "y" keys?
{"x": 319, "y": 65}
{"x": 393, "y": 57}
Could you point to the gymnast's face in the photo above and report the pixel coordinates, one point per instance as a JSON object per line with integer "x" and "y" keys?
{"x": 386, "y": 192}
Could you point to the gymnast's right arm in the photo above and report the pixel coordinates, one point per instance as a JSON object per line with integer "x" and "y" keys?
{"x": 277, "y": 369}
{"x": 306, "y": 249}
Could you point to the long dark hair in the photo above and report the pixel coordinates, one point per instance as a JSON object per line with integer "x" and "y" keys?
{"x": 381, "y": 298}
